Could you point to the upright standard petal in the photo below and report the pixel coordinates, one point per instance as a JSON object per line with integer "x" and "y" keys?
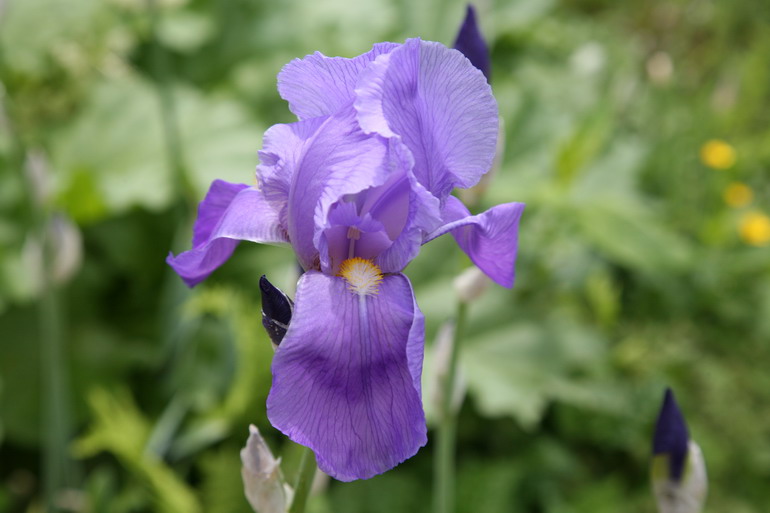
{"x": 424, "y": 214}
{"x": 383, "y": 223}
{"x": 229, "y": 213}
{"x": 490, "y": 239}
{"x": 338, "y": 160}
{"x": 282, "y": 148}
{"x": 439, "y": 104}
{"x": 318, "y": 85}
{"x": 346, "y": 376}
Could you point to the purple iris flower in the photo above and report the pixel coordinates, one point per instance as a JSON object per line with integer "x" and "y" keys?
{"x": 356, "y": 186}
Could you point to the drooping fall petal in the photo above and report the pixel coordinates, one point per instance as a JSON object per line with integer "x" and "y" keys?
{"x": 228, "y": 214}
{"x": 346, "y": 376}
{"x": 490, "y": 239}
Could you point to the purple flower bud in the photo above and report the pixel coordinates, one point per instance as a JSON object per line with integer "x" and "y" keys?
{"x": 671, "y": 436}
{"x": 277, "y": 309}
{"x": 471, "y": 43}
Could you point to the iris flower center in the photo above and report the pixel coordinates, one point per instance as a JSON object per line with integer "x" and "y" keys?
{"x": 363, "y": 276}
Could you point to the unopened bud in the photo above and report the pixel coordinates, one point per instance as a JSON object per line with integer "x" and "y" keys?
{"x": 678, "y": 470}
{"x": 39, "y": 176}
{"x": 66, "y": 247}
{"x": 471, "y": 284}
{"x": 277, "y": 310}
{"x": 471, "y": 43}
{"x": 262, "y": 478}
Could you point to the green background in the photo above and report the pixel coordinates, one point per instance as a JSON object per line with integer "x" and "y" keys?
{"x": 631, "y": 276}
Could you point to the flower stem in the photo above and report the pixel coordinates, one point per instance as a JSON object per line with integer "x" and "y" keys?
{"x": 168, "y": 111}
{"x": 305, "y": 475}
{"x": 444, "y": 481}
{"x": 54, "y": 407}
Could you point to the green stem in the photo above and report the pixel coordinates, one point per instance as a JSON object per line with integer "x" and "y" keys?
{"x": 54, "y": 456}
{"x": 59, "y": 471}
{"x": 305, "y": 475}
{"x": 171, "y": 132}
{"x": 444, "y": 481}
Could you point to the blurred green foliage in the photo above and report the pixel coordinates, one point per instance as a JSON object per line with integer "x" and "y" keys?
{"x": 632, "y": 273}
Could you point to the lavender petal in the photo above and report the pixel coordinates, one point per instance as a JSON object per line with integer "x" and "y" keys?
{"x": 318, "y": 85}
{"x": 439, "y": 105}
{"x": 490, "y": 239}
{"x": 346, "y": 376}
{"x": 338, "y": 160}
{"x": 228, "y": 214}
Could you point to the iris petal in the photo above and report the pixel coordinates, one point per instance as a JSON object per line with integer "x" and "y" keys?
{"x": 423, "y": 214}
{"x": 335, "y": 244}
{"x": 490, "y": 239}
{"x": 439, "y": 104}
{"x": 346, "y": 376}
{"x": 318, "y": 85}
{"x": 282, "y": 148}
{"x": 339, "y": 160}
{"x": 229, "y": 213}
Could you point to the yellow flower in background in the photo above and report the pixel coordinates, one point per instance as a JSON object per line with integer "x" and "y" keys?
{"x": 738, "y": 194}
{"x": 755, "y": 229}
{"x": 717, "y": 154}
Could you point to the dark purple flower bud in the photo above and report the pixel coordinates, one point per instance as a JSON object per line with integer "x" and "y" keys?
{"x": 470, "y": 42}
{"x": 277, "y": 310}
{"x": 671, "y": 436}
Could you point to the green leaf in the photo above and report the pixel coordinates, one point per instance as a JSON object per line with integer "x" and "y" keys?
{"x": 630, "y": 235}
{"x": 33, "y": 31}
{"x": 118, "y": 142}
{"x": 517, "y": 369}
{"x": 584, "y": 145}
{"x": 120, "y": 428}
{"x": 185, "y": 30}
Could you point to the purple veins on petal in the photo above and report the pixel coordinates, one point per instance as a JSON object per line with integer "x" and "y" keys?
{"x": 490, "y": 239}
{"x": 346, "y": 376}
{"x": 384, "y": 223}
{"x": 317, "y": 85}
{"x": 338, "y": 160}
{"x": 228, "y": 214}
{"x": 282, "y": 148}
{"x": 388, "y": 203}
{"x": 471, "y": 43}
{"x": 441, "y": 107}
{"x": 351, "y": 234}
{"x": 406, "y": 209}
